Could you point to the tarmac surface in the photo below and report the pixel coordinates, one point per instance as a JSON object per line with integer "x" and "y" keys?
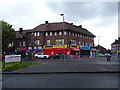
{"x": 71, "y": 66}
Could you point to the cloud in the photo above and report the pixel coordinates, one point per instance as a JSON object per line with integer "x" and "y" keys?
{"x": 97, "y": 17}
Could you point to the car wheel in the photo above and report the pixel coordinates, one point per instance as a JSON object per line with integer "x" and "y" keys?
{"x": 45, "y": 57}
{"x": 36, "y": 57}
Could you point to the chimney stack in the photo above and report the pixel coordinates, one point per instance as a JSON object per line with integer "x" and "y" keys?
{"x": 80, "y": 26}
{"x": 46, "y": 22}
{"x": 20, "y": 30}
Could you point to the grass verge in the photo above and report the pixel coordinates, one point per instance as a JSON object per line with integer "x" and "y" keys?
{"x": 12, "y": 66}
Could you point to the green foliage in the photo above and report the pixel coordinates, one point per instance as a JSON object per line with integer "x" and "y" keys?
{"x": 12, "y": 66}
{"x": 8, "y": 33}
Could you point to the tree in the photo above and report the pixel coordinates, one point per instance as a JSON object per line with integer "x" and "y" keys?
{"x": 8, "y": 33}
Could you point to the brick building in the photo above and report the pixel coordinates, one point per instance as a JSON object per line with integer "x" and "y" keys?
{"x": 115, "y": 46}
{"x": 53, "y": 34}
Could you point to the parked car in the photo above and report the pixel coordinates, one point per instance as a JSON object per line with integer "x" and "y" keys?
{"x": 40, "y": 55}
{"x": 58, "y": 56}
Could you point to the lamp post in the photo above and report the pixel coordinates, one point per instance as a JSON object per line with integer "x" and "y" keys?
{"x": 63, "y": 26}
{"x": 63, "y": 33}
{"x": 98, "y": 39}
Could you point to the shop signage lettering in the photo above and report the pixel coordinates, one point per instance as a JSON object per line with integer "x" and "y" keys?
{"x": 85, "y": 47}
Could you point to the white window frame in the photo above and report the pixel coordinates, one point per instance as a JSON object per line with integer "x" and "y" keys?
{"x": 23, "y": 43}
{"x": 48, "y": 42}
{"x": 63, "y": 41}
{"x": 60, "y": 33}
{"x": 57, "y": 42}
{"x": 35, "y": 34}
{"x": 69, "y": 33}
{"x": 55, "y": 33}
{"x": 50, "y": 33}
{"x": 65, "y": 32}
{"x": 73, "y": 34}
{"x": 38, "y": 33}
{"x": 76, "y": 34}
{"x": 46, "y": 33}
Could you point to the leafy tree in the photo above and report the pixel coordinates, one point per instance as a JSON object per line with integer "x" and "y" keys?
{"x": 8, "y": 33}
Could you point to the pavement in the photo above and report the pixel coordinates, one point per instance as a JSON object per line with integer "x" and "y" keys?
{"x": 70, "y": 66}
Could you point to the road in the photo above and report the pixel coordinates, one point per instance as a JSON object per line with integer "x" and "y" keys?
{"x": 71, "y": 80}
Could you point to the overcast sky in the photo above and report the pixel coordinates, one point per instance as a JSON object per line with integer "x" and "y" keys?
{"x": 100, "y": 18}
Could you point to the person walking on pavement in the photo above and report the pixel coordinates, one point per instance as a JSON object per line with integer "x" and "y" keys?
{"x": 108, "y": 56}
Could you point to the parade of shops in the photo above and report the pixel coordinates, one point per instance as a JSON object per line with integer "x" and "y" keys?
{"x": 115, "y": 47}
{"x": 52, "y": 38}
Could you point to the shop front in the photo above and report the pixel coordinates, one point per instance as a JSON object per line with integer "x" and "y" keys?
{"x": 85, "y": 51}
{"x": 93, "y": 52}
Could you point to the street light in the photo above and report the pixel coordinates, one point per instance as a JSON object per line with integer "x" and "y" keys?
{"x": 98, "y": 39}
{"x": 63, "y": 26}
{"x": 63, "y": 33}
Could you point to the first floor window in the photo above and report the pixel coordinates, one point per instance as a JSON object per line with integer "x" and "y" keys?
{"x": 46, "y": 34}
{"x": 65, "y": 32}
{"x": 22, "y": 43}
{"x": 57, "y": 42}
{"x": 60, "y": 33}
{"x": 37, "y": 42}
{"x": 38, "y": 33}
{"x": 62, "y": 41}
{"x": 35, "y": 33}
{"x": 55, "y": 33}
{"x": 50, "y": 33}
{"x": 48, "y": 42}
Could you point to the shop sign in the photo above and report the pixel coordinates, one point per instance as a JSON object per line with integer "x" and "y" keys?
{"x": 18, "y": 48}
{"x": 30, "y": 48}
{"x": 75, "y": 49}
{"x": 85, "y": 47}
{"x": 12, "y": 58}
{"x": 74, "y": 46}
{"x": 21, "y": 48}
{"x": 118, "y": 51}
{"x": 37, "y": 48}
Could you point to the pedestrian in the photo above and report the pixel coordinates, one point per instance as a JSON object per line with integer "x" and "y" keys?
{"x": 108, "y": 57}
